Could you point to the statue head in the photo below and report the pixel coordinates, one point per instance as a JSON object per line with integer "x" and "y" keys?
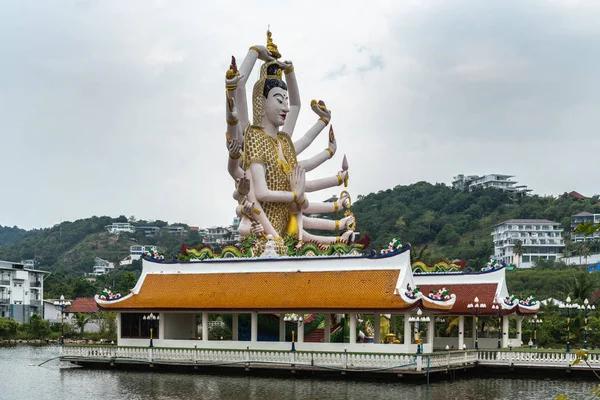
{"x": 269, "y": 97}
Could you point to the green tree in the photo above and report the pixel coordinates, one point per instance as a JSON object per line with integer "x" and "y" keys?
{"x": 580, "y": 287}
{"x": 81, "y": 320}
{"x": 8, "y": 328}
{"x": 428, "y": 218}
{"x": 582, "y": 250}
{"x": 518, "y": 250}
{"x": 38, "y": 328}
{"x": 83, "y": 288}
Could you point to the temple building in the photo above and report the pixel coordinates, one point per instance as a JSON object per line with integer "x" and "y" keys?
{"x": 266, "y": 299}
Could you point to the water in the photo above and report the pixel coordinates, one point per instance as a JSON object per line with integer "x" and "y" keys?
{"x": 55, "y": 380}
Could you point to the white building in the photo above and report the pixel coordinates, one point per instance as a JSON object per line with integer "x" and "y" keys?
{"x": 582, "y": 218}
{"x": 21, "y": 291}
{"x": 176, "y": 230}
{"x": 540, "y": 238}
{"x": 497, "y": 181}
{"x": 120, "y": 227}
{"x": 136, "y": 252}
{"x": 221, "y": 236}
{"x": 102, "y": 267}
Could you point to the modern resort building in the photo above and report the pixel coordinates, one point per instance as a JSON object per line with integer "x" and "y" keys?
{"x": 582, "y": 218}
{"x": 21, "y": 291}
{"x": 496, "y": 181}
{"x": 540, "y": 238}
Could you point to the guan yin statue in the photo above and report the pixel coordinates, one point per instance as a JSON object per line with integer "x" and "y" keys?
{"x": 271, "y": 187}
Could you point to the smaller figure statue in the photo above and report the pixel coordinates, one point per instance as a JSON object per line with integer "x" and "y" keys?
{"x": 270, "y": 248}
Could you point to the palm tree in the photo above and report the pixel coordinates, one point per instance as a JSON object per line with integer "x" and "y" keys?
{"x": 81, "y": 320}
{"x": 518, "y": 250}
{"x": 582, "y": 250}
{"x": 580, "y": 288}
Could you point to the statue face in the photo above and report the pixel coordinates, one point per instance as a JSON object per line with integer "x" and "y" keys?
{"x": 276, "y": 106}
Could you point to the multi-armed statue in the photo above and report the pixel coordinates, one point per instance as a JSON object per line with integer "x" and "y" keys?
{"x": 271, "y": 187}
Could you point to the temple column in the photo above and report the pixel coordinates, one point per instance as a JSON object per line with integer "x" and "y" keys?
{"x": 505, "y": 337}
{"x": 352, "y": 318}
{"x": 407, "y": 331}
{"x": 327, "y": 329}
{"x": 519, "y": 330}
{"x": 431, "y": 331}
{"x": 281, "y": 328}
{"x": 300, "y": 331}
{"x": 461, "y": 332}
{"x": 254, "y": 326}
{"x": 377, "y": 323}
{"x": 234, "y": 326}
{"x": 204, "y": 326}
{"x": 475, "y": 330}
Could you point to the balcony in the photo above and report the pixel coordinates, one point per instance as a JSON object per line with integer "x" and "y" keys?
{"x": 35, "y": 284}
{"x": 5, "y": 282}
{"x": 35, "y": 303}
{"x": 4, "y": 300}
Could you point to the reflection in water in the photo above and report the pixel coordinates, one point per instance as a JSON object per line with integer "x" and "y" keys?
{"x": 58, "y": 380}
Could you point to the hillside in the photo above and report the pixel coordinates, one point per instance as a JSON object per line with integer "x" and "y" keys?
{"x": 70, "y": 247}
{"x": 451, "y": 223}
{"x": 10, "y": 235}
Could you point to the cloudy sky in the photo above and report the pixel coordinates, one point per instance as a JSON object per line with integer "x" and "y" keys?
{"x": 116, "y": 107}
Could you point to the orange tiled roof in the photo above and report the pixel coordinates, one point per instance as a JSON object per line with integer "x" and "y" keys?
{"x": 83, "y": 305}
{"x": 465, "y": 293}
{"x": 323, "y": 290}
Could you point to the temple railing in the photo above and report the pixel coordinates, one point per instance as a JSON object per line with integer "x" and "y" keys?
{"x": 545, "y": 358}
{"x": 222, "y": 357}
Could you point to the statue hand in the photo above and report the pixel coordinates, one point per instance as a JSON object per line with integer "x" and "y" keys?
{"x": 243, "y": 187}
{"x": 264, "y": 54}
{"x": 234, "y": 146}
{"x": 297, "y": 182}
{"x": 231, "y": 111}
{"x": 346, "y": 221}
{"x": 247, "y": 206}
{"x": 320, "y": 109}
{"x": 332, "y": 141}
{"x": 234, "y": 80}
{"x": 347, "y": 237}
{"x": 257, "y": 228}
{"x": 345, "y": 199}
{"x": 285, "y": 64}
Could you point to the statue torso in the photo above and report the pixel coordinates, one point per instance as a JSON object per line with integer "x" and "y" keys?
{"x": 260, "y": 147}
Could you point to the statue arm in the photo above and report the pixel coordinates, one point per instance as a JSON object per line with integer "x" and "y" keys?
{"x": 327, "y": 224}
{"x": 234, "y": 160}
{"x": 301, "y": 144}
{"x": 315, "y": 160}
{"x": 346, "y": 237}
{"x": 261, "y": 190}
{"x": 321, "y": 208}
{"x": 294, "y": 96}
{"x": 324, "y": 114}
{"x": 323, "y": 156}
{"x": 255, "y": 53}
{"x": 240, "y": 93}
{"x": 324, "y": 183}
